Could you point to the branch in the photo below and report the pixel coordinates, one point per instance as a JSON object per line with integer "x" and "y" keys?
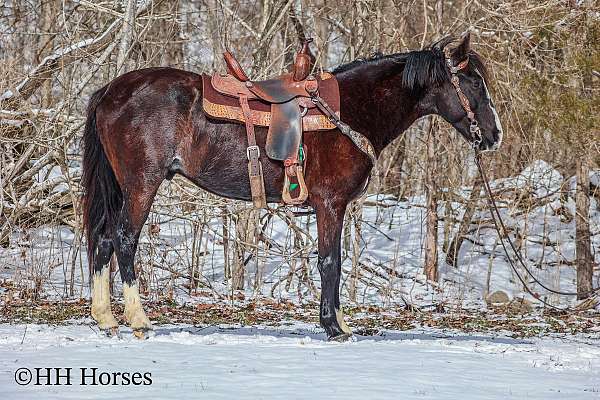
{"x": 63, "y": 55}
{"x": 126, "y": 34}
{"x": 48, "y": 65}
{"x": 239, "y": 20}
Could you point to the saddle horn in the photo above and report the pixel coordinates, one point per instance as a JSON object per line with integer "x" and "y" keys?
{"x": 302, "y": 65}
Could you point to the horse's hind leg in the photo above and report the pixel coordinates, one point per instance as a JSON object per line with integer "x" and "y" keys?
{"x": 136, "y": 206}
{"x": 101, "y": 311}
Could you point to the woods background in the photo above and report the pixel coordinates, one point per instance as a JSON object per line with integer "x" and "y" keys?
{"x": 545, "y": 63}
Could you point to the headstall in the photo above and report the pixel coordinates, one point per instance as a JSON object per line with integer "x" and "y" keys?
{"x": 464, "y": 101}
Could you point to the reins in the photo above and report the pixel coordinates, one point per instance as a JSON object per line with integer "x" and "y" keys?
{"x": 495, "y": 213}
{"x": 499, "y": 224}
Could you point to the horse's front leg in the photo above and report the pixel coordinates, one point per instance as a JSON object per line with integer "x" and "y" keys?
{"x": 330, "y": 219}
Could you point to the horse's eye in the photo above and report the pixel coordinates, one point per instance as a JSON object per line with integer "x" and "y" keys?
{"x": 477, "y": 84}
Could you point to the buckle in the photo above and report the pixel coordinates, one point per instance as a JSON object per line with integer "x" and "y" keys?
{"x": 251, "y": 149}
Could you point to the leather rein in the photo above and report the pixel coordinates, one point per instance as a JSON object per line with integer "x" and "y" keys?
{"x": 495, "y": 213}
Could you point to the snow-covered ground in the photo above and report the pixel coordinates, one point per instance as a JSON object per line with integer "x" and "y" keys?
{"x": 295, "y": 363}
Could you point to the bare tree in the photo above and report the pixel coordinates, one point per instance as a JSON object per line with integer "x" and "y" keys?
{"x": 585, "y": 260}
{"x": 465, "y": 222}
{"x": 430, "y": 266}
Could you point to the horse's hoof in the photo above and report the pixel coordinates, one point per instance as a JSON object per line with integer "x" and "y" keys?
{"x": 143, "y": 334}
{"x": 341, "y": 338}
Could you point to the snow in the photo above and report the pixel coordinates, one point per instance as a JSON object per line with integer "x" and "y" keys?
{"x": 541, "y": 177}
{"x": 595, "y": 178}
{"x": 6, "y": 95}
{"x": 295, "y": 363}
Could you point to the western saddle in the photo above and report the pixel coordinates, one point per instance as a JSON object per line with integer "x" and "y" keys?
{"x": 286, "y": 105}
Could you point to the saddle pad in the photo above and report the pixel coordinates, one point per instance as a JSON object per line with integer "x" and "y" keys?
{"x": 224, "y": 107}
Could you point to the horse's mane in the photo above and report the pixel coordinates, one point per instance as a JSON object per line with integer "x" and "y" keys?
{"x": 420, "y": 68}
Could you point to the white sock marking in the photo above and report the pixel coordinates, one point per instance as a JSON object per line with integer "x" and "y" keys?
{"x": 134, "y": 312}
{"x": 101, "y": 311}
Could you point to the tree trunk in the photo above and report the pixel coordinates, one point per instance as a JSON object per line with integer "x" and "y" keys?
{"x": 127, "y": 33}
{"x": 225, "y": 227}
{"x": 465, "y": 223}
{"x": 274, "y": 13}
{"x": 431, "y": 239}
{"x": 356, "y": 217}
{"x": 49, "y": 9}
{"x": 583, "y": 244}
{"x": 245, "y": 236}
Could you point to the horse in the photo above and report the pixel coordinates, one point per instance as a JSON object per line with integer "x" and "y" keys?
{"x": 148, "y": 125}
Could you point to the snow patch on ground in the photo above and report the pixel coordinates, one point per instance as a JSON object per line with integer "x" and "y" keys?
{"x": 295, "y": 363}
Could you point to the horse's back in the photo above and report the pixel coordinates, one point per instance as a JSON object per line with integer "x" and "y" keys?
{"x": 152, "y": 87}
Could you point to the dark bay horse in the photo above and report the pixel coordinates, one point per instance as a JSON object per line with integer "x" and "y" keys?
{"x": 147, "y": 125}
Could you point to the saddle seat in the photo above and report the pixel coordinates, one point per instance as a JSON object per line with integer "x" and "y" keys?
{"x": 284, "y": 105}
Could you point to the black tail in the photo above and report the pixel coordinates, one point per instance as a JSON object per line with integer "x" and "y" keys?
{"x": 102, "y": 198}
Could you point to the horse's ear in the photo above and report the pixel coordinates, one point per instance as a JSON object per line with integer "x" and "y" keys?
{"x": 462, "y": 51}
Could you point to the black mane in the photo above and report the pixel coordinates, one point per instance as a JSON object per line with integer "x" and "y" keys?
{"x": 420, "y": 68}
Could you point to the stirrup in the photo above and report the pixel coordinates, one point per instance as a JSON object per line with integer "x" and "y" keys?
{"x": 302, "y": 196}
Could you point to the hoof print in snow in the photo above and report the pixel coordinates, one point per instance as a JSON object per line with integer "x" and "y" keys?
{"x": 498, "y": 298}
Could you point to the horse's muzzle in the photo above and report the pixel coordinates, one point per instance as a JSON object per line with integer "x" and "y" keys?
{"x": 491, "y": 145}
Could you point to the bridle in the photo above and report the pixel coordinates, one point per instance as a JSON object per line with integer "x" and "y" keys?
{"x": 464, "y": 101}
{"x": 496, "y": 218}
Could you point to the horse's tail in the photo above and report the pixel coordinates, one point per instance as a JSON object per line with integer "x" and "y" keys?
{"x": 102, "y": 198}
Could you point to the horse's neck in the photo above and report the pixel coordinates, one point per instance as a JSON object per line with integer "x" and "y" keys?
{"x": 380, "y": 109}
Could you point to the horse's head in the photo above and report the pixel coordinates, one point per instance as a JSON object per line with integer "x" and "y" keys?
{"x": 463, "y": 98}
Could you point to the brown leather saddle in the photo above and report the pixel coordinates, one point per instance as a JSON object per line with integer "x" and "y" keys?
{"x": 284, "y": 105}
